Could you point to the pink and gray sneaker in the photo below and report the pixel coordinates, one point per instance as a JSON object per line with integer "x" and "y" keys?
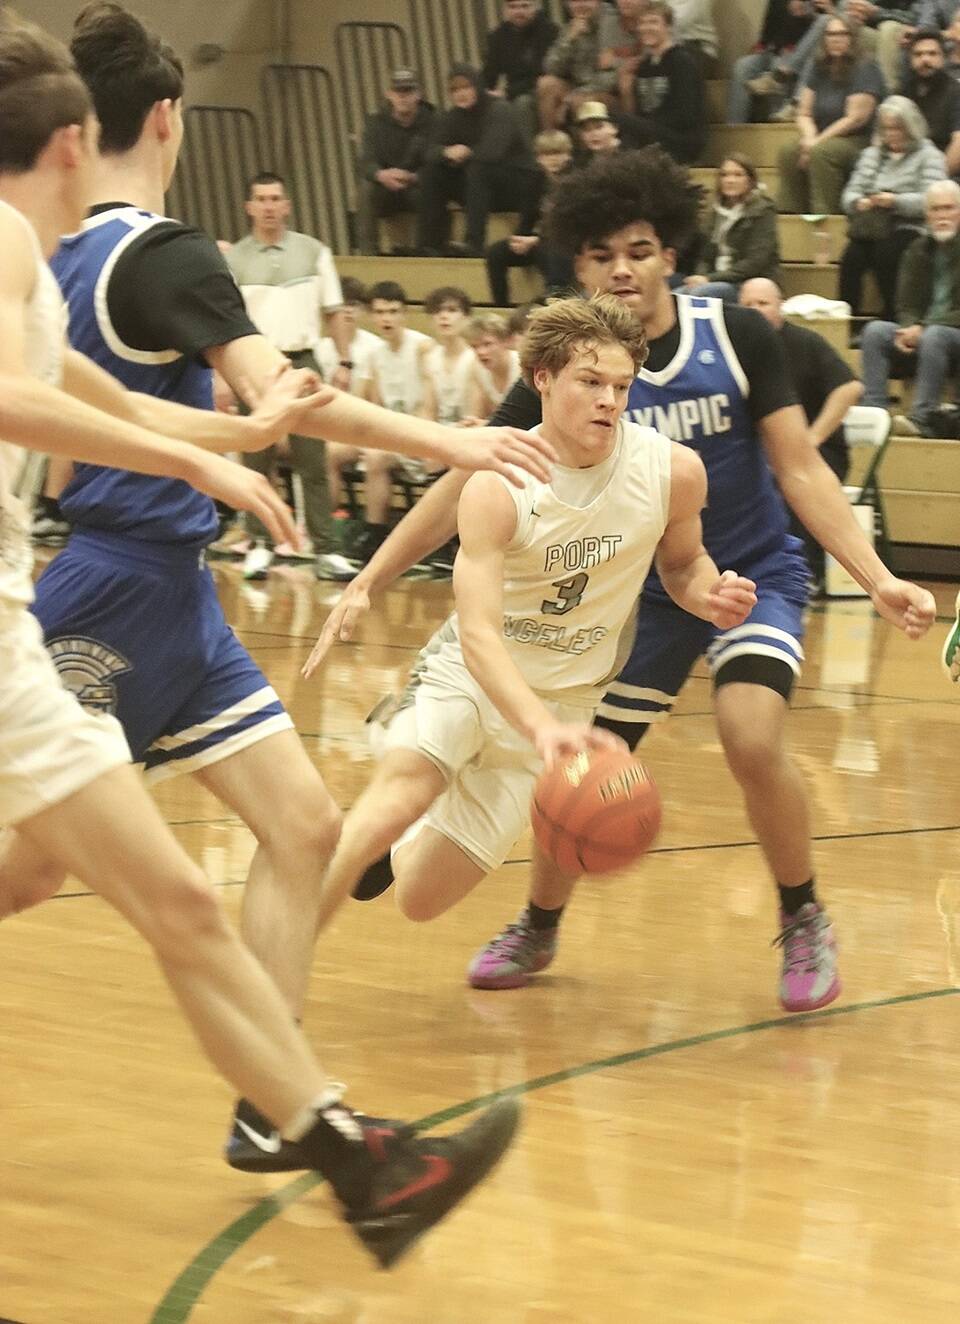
{"x": 510, "y": 958}
{"x": 809, "y": 978}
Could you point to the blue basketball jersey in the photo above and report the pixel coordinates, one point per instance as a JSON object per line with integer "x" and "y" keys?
{"x": 700, "y": 399}
{"x": 161, "y": 510}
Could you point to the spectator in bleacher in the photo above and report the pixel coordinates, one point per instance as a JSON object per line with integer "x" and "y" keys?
{"x": 449, "y": 363}
{"x": 571, "y": 67}
{"x": 785, "y": 22}
{"x": 740, "y": 236}
{"x": 391, "y": 158}
{"x": 497, "y": 364}
{"x": 835, "y": 114}
{"x": 664, "y": 98}
{"x": 477, "y": 156}
{"x": 884, "y": 200}
{"x": 936, "y": 92}
{"x": 925, "y": 339}
{"x": 513, "y": 58}
{"x": 394, "y": 377}
{"x": 597, "y": 133}
{"x": 881, "y": 25}
{"x": 696, "y": 32}
{"x": 825, "y": 386}
{"x": 526, "y": 248}
{"x": 288, "y": 282}
{"x": 620, "y": 46}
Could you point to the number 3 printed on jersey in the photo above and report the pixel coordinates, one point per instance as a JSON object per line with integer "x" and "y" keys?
{"x": 571, "y": 591}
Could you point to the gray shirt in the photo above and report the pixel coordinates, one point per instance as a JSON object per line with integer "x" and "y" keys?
{"x": 285, "y": 285}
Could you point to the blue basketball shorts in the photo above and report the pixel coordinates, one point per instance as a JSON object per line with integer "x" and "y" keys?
{"x": 136, "y": 629}
{"x": 669, "y": 641}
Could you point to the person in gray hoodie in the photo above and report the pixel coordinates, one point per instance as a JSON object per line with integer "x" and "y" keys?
{"x": 884, "y": 201}
{"x": 477, "y": 155}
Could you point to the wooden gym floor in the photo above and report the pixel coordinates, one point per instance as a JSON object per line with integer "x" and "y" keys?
{"x": 690, "y": 1154}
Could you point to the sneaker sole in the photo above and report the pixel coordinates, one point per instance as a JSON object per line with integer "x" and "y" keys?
{"x": 831, "y": 994}
{"x": 950, "y": 655}
{"x": 518, "y": 980}
{"x": 389, "y": 1236}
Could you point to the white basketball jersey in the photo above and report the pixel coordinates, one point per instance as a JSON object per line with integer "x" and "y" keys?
{"x": 45, "y": 327}
{"x": 397, "y": 373}
{"x": 574, "y": 569}
{"x": 451, "y": 381}
{"x": 490, "y": 388}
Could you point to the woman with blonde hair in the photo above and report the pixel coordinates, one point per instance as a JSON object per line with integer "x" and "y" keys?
{"x": 884, "y": 201}
{"x": 739, "y": 239}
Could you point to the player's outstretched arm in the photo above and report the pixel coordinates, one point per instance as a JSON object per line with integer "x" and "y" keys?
{"x": 430, "y": 524}
{"x": 288, "y": 396}
{"x": 487, "y": 521}
{"x": 247, "y": 363}
{"x": 814, "y": 492}
{"x": 688, "y": 573}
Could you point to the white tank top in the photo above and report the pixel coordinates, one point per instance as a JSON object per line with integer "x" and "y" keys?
{"x": 45, "y": 327}
{"x": 451, "y": 381}
{"x": 574, "y": 571}
{"x": 397, "y": 372}
{"x": 490, "y": 388}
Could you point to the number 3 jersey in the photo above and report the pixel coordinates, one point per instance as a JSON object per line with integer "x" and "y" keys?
{"x": 583, "y": 544}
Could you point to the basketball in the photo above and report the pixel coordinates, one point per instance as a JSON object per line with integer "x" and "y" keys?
{"x": 595, "y": 812}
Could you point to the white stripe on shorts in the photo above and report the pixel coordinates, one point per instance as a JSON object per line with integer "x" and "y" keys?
{"x": 250, "y": 735}
{"x": 751, "y": 631}
{"x": 754, "y": 650}
{"x": 261, "y": 698}
{"x": 639, "y": 692}
{"x": 635, "y": 716}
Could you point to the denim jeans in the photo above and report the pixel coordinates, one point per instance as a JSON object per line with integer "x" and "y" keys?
{"x": 937, "y": 355}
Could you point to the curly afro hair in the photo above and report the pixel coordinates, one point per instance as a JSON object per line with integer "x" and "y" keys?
{"x": 619, "y": 190}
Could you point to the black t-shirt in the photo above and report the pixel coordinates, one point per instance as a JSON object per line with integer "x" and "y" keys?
{"x": 816, "y": 370}
{"x": 172, "y": 289}
{"x": 754, "y": 341}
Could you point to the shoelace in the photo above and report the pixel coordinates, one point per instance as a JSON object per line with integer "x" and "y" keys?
{"x": 512, "y": 939}
{"x": 797, "y": 938}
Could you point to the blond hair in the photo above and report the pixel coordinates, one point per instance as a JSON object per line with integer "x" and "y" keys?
{"x": 552, "y": 140}
{"x": 488, "y": 324}
{"x": 555, "y": 332}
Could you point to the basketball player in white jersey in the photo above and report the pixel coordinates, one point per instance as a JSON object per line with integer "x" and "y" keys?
{"x": 545, "y": 587}
{"x": 65, "y": 778}
{"x": 715, "y": 381}
{"x": 393, "y": 376}
{"x": 497, "y": 366}
{"x": 450, "y": 363}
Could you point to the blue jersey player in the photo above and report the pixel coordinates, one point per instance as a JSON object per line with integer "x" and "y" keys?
{"x": 715, "y": 380}
{"x": 129, "y": 612}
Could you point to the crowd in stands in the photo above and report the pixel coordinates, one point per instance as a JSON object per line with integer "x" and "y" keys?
{"x": 873, "y": 90}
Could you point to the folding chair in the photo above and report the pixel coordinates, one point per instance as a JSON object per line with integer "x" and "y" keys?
{"x": 869, "y": 425}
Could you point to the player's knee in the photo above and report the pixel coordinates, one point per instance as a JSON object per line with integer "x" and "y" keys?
{"x": 751, "y": 753}
{"x": 419, "y": 904}
{"x": 19, "y": 894}
{"x": 307, "y": 820}
{"x": 186, "y": 920}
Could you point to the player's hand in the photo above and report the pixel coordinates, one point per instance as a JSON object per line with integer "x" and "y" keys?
{"x": 908, "y": 606}
{"x": 501, "y": 449}
{"x": 345, "y": 615}
{"x": 288, "y": 395}
{"x": 731, "y": 600}
{"x": 561, "y": 740}
{"x": 245, "y": 489}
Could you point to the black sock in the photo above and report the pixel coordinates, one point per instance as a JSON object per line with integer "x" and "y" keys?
{"x": 792, "y": 898}
{"x": 543, "y": 919}
{"x": 49, "y": 507}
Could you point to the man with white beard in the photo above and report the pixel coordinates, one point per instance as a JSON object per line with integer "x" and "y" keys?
{"x": 926, "y": 336}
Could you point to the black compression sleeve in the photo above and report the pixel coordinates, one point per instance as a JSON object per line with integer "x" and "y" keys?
{"x": 761, "y": 356}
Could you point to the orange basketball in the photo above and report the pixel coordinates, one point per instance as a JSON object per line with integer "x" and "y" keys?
{"x": 595, "y": 812}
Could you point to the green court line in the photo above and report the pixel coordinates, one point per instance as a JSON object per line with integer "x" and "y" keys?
{"x": 180, "y": 1299}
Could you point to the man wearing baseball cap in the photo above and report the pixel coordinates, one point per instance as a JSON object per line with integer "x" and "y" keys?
{"x": 394, "y": 141}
